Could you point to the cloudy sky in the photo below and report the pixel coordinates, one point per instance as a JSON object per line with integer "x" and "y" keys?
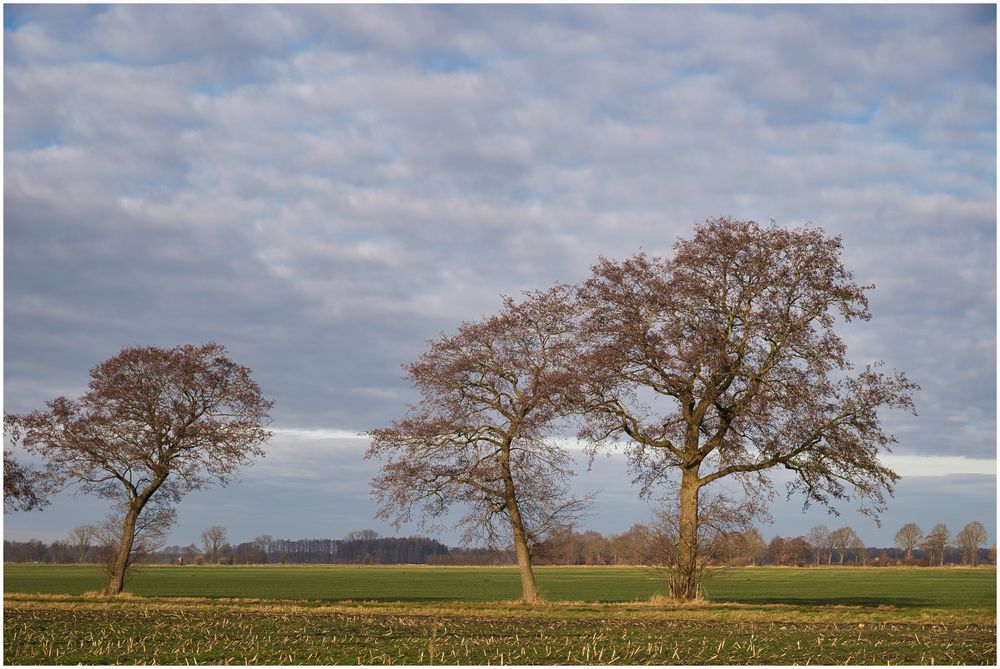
{"x": 324, "y": 188}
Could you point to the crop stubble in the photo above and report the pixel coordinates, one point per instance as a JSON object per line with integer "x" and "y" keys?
{"x": 66, "y": 630}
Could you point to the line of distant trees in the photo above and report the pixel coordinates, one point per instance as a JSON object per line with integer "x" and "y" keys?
{"x": 910, "y": 547}
{"x": 364, "y": 547}
{"x": 640, "y": 545}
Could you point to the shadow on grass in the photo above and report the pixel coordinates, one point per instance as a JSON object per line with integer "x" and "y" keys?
{"x": 870, "y": 602}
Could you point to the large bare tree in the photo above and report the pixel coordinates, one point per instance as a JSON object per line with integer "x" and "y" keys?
{"x": 154, "y": 424}
{"x": 489, "y": 397}
{"x": 722, "y": 362}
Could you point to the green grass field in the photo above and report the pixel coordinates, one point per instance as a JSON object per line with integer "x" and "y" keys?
{"x": 596, "y": 615}
{"x": 936, "y": 588}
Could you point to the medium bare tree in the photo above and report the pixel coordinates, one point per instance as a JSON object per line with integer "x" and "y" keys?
{"x": 212, "y": 540}
{"x": 907, "y": 538}
{"x": 723, "y": 362}
{"x": 935, "y": 543}
{"x": 969, "y": 539}
{"x": 80, "y": 538}
{"x": 154, "y": 424}
{"x": 490, "y": 395}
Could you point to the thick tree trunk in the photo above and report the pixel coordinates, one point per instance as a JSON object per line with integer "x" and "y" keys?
{"x": 116, "y": 575}
{"x": 685, "y": 577}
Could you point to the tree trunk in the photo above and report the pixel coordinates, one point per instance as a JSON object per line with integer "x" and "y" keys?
{"x": 529, "y": 593}
{"x": 684, "y": 579}
{"x": 116, "y": 575}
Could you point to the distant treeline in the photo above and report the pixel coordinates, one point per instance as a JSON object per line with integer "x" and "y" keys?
{"x": 370, "y": 549}
{"x": 263, "y": 550}
{"x": 638, "y": 546}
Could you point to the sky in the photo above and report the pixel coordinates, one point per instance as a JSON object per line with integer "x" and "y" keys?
{"x": 322, "y": 189}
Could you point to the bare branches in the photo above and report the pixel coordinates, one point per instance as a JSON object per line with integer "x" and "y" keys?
{"x": 736, "y": 333}
{"x": 489, "y": 394}
{"x": 25, "y": 488}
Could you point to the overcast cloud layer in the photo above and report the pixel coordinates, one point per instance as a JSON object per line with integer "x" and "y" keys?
{"x": 322, "y": 189}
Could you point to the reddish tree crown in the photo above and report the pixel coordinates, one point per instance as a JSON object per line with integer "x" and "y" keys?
{"x": 723, "y": 360}
{"x": 187, "y": 414}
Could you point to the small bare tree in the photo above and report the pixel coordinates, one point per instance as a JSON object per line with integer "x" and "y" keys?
{"x": 907, "y": 538}
{"x": 969, "y": 539}
{"x": 80, "y": 538}
{"x": 724, "y": 524}
{"x": 936, "y": 543}
{"x": 860, "y": 552}
{"x": 361, "y": 535}
{"x": 152, "y": 526}
{"x": 479, "y": 437}
{"x": 212, "y": 540}
{"x": 819, "y": 539}
{"x": 841, "y": 539}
